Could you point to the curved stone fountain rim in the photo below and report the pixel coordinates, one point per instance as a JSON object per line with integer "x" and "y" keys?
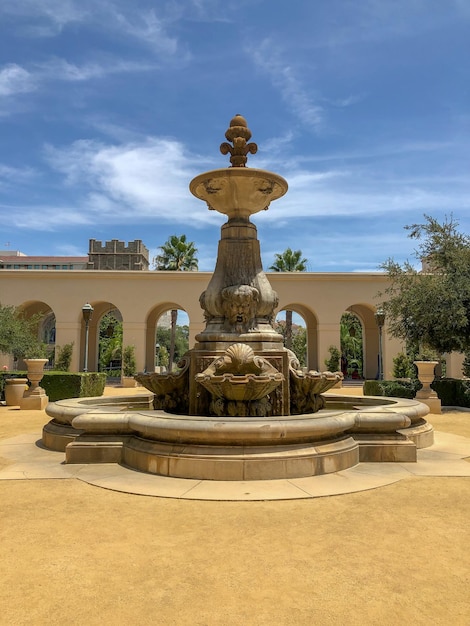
{"x": 97, "y": 415}
{"x": 77, "y": 406}
{"x": 237, "y": 172}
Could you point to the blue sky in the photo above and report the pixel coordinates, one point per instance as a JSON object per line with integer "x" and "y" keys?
{"x": 109, "y": 108}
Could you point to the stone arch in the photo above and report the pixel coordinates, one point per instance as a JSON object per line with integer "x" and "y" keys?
{"x": 311, "y": 325}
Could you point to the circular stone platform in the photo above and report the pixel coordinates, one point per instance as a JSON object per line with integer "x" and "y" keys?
{"x": 27, "y": 459}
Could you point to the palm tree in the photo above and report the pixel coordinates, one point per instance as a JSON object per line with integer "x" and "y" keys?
{"x": 176, "y": 255}
{"x": 289, "y": 261}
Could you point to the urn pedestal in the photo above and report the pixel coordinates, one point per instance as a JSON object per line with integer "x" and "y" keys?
{"x": 35, "y": 397}
{"x": 128, "y": 381}
{"x": 426, "y": 376}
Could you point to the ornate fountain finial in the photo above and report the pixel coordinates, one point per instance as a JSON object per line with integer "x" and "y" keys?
{"x": 238, "y": 133}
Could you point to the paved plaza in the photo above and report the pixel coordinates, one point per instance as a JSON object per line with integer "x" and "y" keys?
{"x": 386, "y": 543}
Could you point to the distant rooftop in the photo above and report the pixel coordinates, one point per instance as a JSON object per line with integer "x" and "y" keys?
{"x": 112, "y": 255}
{"x": 11, "y": 253}
{"x": 50, "y": 259}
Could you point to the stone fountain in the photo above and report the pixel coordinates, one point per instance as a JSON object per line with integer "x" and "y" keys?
{"x": 239, "y": 407}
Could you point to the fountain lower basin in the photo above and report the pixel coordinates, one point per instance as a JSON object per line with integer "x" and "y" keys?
{"x": 347, "y": 431}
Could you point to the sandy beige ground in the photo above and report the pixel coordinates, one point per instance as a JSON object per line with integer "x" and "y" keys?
{"x": 76, "y": 554}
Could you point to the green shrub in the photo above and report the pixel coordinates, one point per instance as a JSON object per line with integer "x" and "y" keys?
{"x": 40, "y": 350}
{"x": 402, "y": 366}
{"x": 63, "y": 385}
{"x": 332, "y": 364}
{"x": 452, "y": 391}
{"x": 64, "y": 357}
{"x": 113, "y": 373}
{"x": 466, "y": 365}
{"x": 129, "y": 365}
{"x": 93, "y": 384}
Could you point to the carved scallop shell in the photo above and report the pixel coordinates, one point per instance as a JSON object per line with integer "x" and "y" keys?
{"x": 240, "y": 353}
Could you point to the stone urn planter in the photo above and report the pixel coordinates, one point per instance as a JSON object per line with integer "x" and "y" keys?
{"x": 426, "y": 377}
{"x": 14, "y": 390}
{"x": 35, "y": 397}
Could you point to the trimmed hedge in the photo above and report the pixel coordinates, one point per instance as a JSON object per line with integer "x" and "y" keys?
{"x": 63, "y": 385}
{"x": 450, "y": 391}
{"x": 453, "y": 391}
{"x": 391, "y": 388}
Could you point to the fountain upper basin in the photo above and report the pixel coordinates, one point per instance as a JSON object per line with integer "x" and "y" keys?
{"x": 238, "y": 192}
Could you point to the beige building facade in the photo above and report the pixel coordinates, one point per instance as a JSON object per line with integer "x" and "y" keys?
{"x": 142, "y": 297}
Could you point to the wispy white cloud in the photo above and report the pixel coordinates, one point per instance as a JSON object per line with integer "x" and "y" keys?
{"x": 60, "y": 69}
{"x": 45, "y": 18}
{"x": 147, "y": 179}
{"x": 52, "y": 216}
{"x": 50, "y": 17}
{"x": 308, "y": 200}
{"x": 15, "y": 79}
{"x": 268, "y": 58}
{"x": 376, "y": 20}
{"x": 372, "y": 152}
{"x": 11, "y": 175}
{"x": 276, "y": 145}
{"x": 151, "y": 29}
{"x": 347, "y": 101}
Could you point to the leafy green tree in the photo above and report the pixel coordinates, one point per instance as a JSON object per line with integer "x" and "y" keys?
{"x": 299, "y": 344}
{"x": 431, "y": 307}
{"x": 163, "y": 339}
{"x": 177, "y": 255}
{"x": 289, "y": 261}
{"x": 332, "y": 364}
{"x": 299, "y": 339}
{"x": 110, "y": 341}
{"x": 163, "y": 356}
{"x": 19, "y": 334}
{"x": 351, "y": 340}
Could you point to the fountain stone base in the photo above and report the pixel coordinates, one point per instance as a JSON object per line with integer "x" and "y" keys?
{"x": 347, "y": 431}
